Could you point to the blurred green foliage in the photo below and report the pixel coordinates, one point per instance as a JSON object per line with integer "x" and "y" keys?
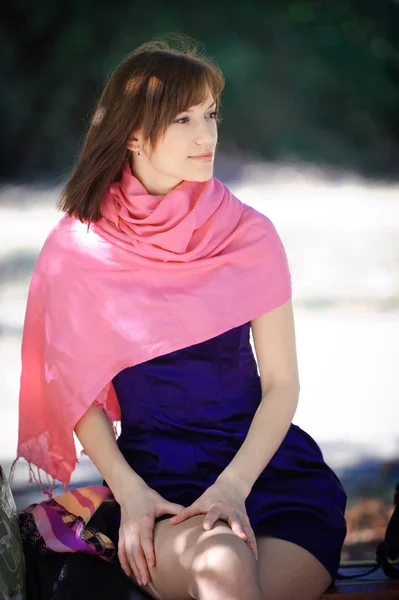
{"x": 314, "y": 80}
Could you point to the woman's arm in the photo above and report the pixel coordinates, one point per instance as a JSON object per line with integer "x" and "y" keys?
{"x": 275, "y": 347}
{"x": 96, "y": 435}
{"x": 140, "y": 504}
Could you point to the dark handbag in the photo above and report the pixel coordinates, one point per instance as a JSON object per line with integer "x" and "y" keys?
{"x": 388, "y": 551}
{"x": 12, "y": 562}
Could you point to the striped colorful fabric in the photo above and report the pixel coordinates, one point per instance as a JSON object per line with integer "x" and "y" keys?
{"x": 64, "y": 523}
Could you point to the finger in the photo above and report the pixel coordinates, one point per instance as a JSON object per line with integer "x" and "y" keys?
{"x": 132, "y": 565}
{"x": 172, "y": 508}
{"x": 137, "y": 561}
{"x": 147, "y": 543}
{"x": 237, "y": 527}
{"x": 141, "y": 563}
{"x": 123, "y": 558}
{"x": 211, "y": 517}
{"x": 190, "y": 511}
{"x": 250, "y": 538}
{"x": 251, "y": 541}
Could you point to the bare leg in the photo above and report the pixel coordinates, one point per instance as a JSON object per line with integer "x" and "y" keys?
{"x": 206, "y": 565}
{"x": 288, "y": 571}
{"x": 224, "y": 567}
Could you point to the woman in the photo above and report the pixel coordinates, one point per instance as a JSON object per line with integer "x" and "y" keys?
{"x": 147, "y": 292}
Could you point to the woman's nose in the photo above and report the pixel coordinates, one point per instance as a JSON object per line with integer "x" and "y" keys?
{"x": 205, "y": 137}
{"x": 206, "y": 133}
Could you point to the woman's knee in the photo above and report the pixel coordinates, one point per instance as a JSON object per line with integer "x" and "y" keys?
{"x": 221, "y": 553}
{"x": 188, "y": 555}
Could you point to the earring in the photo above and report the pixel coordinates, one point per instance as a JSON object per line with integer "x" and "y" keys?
{"x": 138, "y": 152}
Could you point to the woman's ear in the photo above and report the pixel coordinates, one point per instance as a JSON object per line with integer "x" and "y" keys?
{"x": 135, "y": 140}
{"x": 133, "y": 144}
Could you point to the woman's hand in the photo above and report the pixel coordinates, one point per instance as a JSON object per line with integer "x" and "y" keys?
{"x": 136, "y": 533}
{"x": 220, "y": 501}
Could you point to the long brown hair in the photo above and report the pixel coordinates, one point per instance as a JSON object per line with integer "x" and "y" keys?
{"x": 147, "y": 90}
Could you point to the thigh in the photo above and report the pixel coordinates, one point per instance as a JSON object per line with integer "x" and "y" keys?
{"x": 288, "y": 571}
{"x": 178, "y": 549}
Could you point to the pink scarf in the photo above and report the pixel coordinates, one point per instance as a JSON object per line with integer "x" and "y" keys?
{"x": 155, "y": 274}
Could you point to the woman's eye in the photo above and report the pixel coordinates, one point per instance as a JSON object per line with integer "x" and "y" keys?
{"x": 213, "y": 116}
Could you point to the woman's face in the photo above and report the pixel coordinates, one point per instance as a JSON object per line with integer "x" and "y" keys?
{"x": 170, "y": 162}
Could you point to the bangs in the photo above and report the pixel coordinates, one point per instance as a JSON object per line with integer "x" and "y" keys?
{"x": 178, "y": 83}
{"x": 193, "y": 80}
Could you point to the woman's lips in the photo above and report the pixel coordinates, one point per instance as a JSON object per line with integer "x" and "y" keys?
{"x": 207, "y": 158}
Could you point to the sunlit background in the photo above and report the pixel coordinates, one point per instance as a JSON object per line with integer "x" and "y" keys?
{"x": 309, "y": 137}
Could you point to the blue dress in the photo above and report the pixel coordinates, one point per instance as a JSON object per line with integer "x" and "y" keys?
{"x": 184, "y": 416}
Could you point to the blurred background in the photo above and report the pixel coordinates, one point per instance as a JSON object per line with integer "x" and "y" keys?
{"x": 310, "y": 137}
